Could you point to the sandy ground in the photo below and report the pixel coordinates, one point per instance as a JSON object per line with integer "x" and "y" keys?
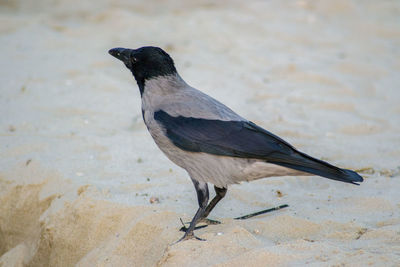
{"x": 78, "y": 168}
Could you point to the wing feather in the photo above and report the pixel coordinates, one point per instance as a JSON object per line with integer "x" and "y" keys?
{"x": 244, "y": 139}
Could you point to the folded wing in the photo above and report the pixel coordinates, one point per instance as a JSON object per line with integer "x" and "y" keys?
{"x": 245, "y": 139}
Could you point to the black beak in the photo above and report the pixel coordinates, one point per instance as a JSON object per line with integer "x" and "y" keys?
{"x": 122, "y": 54}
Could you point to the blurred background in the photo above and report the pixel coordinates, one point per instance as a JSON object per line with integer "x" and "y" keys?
{"x": 324, "y": 75}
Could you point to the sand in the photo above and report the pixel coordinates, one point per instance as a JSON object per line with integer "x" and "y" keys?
{"x": 78, "y": 168}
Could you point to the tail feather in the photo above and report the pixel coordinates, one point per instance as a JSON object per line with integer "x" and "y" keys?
{"x": 303, "y": 162}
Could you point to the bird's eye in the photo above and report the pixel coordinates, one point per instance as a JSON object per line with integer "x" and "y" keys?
{"x": 134, "y": 60}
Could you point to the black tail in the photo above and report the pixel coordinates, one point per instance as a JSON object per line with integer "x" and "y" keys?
{"x": 303, "y": 162}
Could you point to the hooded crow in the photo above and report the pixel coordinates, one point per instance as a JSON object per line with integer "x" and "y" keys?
{"x": 209, "y": 140}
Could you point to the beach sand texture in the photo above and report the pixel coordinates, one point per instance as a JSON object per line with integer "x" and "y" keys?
{"x": 78, "y": 168}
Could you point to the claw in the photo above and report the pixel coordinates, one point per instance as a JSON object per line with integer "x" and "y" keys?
{"x": 184, "y": 228}
{"x": 188, "y": 236}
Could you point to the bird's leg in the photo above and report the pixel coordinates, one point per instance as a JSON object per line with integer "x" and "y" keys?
{"x": 202, "y": 197}
{"x": 219, "y": 194}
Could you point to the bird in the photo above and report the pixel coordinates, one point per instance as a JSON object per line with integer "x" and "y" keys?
{"x": 208, "y": 139}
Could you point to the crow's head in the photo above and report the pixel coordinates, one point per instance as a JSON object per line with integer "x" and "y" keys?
{"x": 146, "y": 62}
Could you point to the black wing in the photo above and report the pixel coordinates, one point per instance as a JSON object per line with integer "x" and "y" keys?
{"x": 244, "y": 140}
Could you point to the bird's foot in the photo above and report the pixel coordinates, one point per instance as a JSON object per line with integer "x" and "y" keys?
{"x": 204, "y": 220}
{"x": 184, "y": 228}
{"x": 188, "y": 236}
{"x": 209, "y": 221}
